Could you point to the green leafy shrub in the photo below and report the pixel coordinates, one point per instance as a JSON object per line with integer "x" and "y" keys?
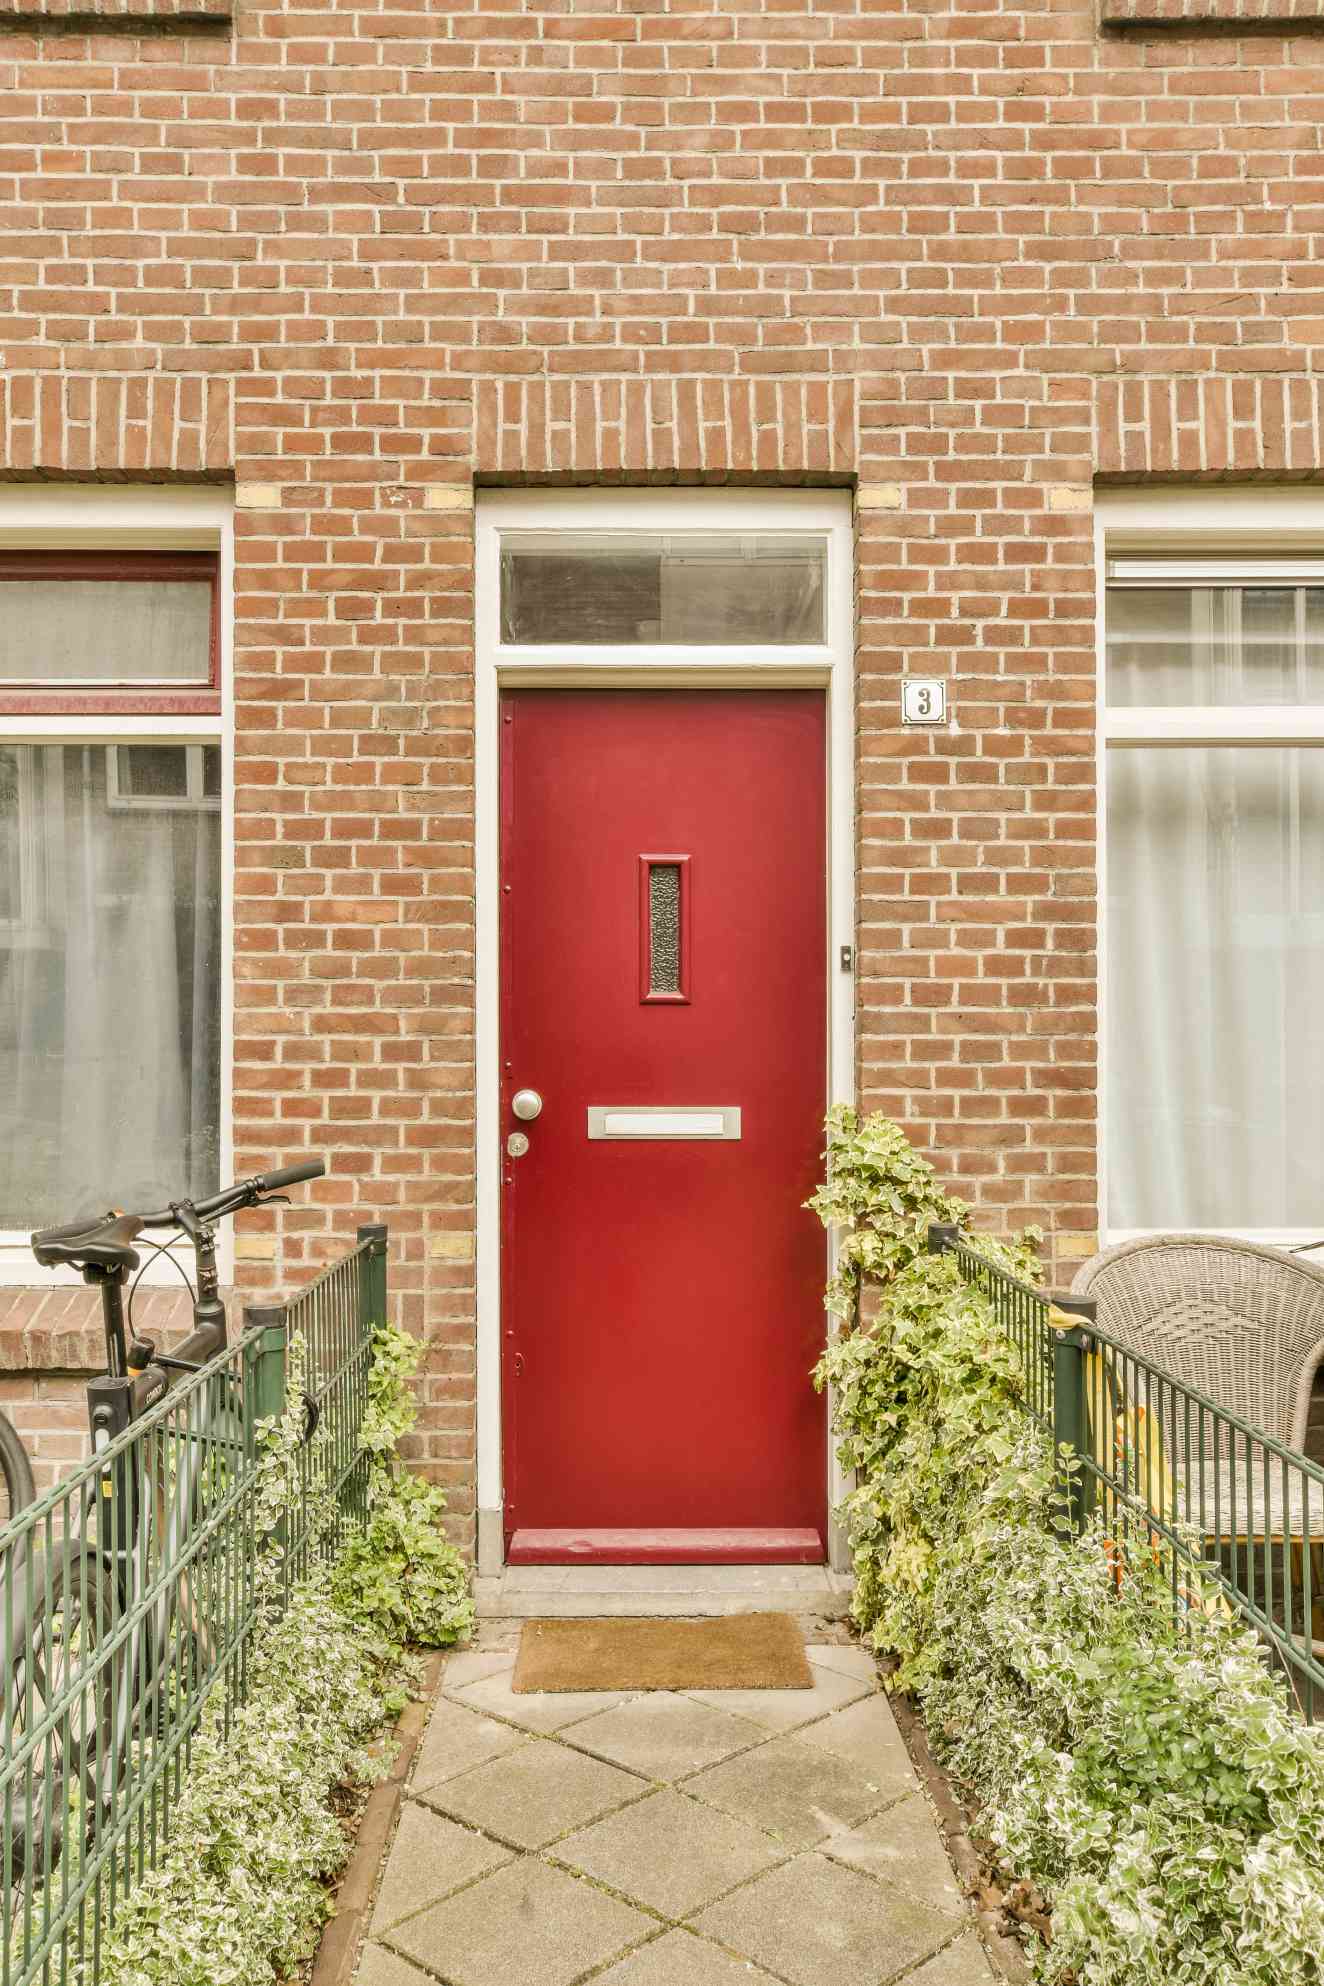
{"x": 1148, "y": 1778}
{"x": 240, "y": 1894}
{"x": 399, "y": 1576}
{"x": 241, "y": 1890}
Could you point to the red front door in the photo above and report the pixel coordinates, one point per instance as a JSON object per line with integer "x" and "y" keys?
{"x": 664, "y": 995}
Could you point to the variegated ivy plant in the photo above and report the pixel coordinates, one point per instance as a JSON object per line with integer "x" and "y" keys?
{"x": 1146, "y": 1775}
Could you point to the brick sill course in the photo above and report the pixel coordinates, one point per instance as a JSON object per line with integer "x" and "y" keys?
{"x": 57, "y": 1328}
{"x": 1240, "y": 16}
{"x": 116, "y": 13}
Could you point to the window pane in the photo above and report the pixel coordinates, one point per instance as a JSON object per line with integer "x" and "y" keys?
{"x": 151, "y": 772}
{"x": 1216, "y": 987}
{"x": 109, "y": 983}
{"x": 627, "y": 587}
{"x": 105, "y": 630}
{"x": 1218, "y": 645}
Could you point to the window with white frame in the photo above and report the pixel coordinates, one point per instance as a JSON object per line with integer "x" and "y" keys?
{"x": 110, "y": 881}
{"x": 1215, "y": 894}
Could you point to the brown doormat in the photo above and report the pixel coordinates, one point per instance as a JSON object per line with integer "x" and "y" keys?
{"x": 736, "y": 1651}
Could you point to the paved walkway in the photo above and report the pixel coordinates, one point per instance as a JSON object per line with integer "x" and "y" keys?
{"x": 713, "y": 1839}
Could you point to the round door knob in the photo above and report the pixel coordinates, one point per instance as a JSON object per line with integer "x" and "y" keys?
{"x": 526, "y": 1104}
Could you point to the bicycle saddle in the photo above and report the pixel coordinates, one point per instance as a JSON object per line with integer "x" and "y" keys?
{"x": 103, "y": 1241}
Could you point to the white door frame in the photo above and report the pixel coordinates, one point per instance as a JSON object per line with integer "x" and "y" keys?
{"x": 828, "y": 665}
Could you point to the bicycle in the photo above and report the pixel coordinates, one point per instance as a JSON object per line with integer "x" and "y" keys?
{"x": 141, "y": 1547}
{"x": 17, "y": 1488}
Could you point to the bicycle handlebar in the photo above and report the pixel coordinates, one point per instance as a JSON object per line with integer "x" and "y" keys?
{"x": 106, "y": 1240}
{"x": 245, "y": 1193}
{"x": 293, "y": 1175}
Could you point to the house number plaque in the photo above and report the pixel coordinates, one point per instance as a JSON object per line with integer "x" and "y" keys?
{"x": 923, "y": 700}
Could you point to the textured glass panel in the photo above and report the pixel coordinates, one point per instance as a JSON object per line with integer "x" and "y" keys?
{"x": 1216, "y": 987}
{"x": 664, "y": 928}
{"x": 726, "y": 589}
{"x": 110, "y": 959}
{"x": 105, "y": 630}
{"x": 1220, "y": 645}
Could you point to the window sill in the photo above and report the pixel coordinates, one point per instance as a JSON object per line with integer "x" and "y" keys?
{"x": 1284, "y": 1238}
{"x": 20, "y": 1271}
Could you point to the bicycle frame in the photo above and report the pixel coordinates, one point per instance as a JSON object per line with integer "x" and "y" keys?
{"x": 120, "y": 1605}
{"x": 140, "y": 1515}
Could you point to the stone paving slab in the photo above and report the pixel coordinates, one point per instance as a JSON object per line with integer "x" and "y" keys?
{"x": 814, "y": 1922}
{"x": 680, "y": 1958}
{"x": 378, "y": 1967}
{"x": 670, "y": 1853}
{"x": 543, "y": 1843}
{"x": 470, "y": 1665}
{"x": 665, "y": 1736}
{"x": 865, "y": 1733}
{"x": 965, "y": 1963}
{"x": 550, "y": 1711}
{"x": 536, "y": 1793}
{"x": 528, "y": 1925}
{"x": 429, "y": 1857}
{"x": 457, "y": 1739}
{"x": 783, "y": 1709}
{"x": 850, "y": 1659}
{"x": 793, "y": 1791}
{"x": 902, "y": 1846}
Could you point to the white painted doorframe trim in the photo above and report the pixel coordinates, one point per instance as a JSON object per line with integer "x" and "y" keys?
{"x": 829, "y": 666}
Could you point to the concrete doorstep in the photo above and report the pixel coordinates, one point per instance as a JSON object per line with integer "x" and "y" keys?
{"x": 719, "y": 1838}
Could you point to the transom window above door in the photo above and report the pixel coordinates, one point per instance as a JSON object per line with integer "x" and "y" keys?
{"x": 686, "y": 588}
{"x": 1214, "y": 945}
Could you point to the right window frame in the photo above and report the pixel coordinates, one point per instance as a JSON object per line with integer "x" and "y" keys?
{"x": 1236, "y": 790}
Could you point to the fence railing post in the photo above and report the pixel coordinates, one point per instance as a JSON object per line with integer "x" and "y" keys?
{"x": 374, "y": 1237}
{"x": 266, "y": 1336}
{"x": 1071, "y": 1424}
{"x": 942, "y": 1236}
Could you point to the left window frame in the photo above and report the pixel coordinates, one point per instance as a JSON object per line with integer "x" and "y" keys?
{"x": 131, "y": 533}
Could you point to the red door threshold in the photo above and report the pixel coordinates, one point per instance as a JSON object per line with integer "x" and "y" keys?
{"x": 718, "y": 1547}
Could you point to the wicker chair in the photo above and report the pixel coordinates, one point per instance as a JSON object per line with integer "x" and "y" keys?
{"x": 1243, "y": 1325}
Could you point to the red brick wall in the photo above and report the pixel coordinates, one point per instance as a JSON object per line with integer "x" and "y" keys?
{"x": 356, "y": 256}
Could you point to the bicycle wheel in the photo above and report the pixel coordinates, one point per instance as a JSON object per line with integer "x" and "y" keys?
{"x": 16, "y": 1485}
{"x": 61, "y": 1674}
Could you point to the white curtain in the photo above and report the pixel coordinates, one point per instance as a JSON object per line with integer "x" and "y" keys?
{"x": 108, "y": 995}
{"x": 1215, "y": 1074}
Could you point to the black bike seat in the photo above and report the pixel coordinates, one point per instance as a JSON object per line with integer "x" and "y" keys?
{"x": 103, "y": 1241}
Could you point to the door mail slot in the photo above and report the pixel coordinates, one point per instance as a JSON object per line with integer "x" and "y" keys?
{"x": 607, "y": 1120}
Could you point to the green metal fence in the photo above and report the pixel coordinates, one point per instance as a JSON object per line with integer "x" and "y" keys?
{"x": 129, "y": 1595}
{"x": 1235, "y": 1518}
